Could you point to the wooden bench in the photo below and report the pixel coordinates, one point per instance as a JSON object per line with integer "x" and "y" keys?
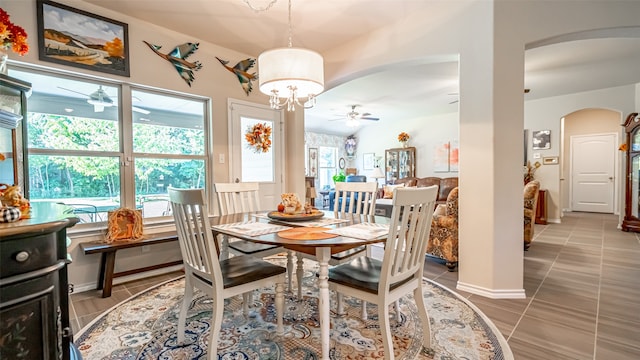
{"x": 108, "y": 260}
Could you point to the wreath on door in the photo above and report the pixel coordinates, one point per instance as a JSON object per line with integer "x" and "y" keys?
{"x": 258, "y": 137}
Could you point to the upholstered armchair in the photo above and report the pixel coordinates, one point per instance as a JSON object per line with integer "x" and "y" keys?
{"x": 530, "y": 203}
{"x": 350, "y": 178}
{"x": 443, "y": 239}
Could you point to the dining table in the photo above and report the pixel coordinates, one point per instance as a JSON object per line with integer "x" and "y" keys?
{"x": 324, "y": 234}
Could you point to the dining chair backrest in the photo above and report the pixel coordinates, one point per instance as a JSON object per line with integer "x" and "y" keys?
{"x": 357, "y": 198}
{"x": 199, "y": 254}
{"x": 234, "y": 198}
{"x": 406, "y": 244}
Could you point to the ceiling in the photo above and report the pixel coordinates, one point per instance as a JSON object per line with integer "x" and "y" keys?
{"x": 319, "y": 25}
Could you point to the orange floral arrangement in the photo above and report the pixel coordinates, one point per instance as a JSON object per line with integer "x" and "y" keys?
{"x": 12, "y": 36}
{"x": 403, "y": 136}
{"x": 259, "y": 137}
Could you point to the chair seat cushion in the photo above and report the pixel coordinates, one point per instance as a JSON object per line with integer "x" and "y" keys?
{"x": 362, "y": 273}
{"x": 348, "y": 253}
{"x": 249, "y": 248}
{"x": 240, "y": 270}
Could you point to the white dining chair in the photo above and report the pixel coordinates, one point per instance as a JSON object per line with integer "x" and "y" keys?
{"x": 235, "y": 198}
{"x": 400, "y": 271}
{"x": 356, "y": 198}
{"x": 220, "y": 279}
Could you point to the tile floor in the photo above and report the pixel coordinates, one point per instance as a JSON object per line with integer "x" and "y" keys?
{"x": 582, "y": 281}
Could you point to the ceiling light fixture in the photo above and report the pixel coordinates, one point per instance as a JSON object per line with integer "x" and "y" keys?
{"x": 99, "y": 99}
{"x": 289, "y": 74}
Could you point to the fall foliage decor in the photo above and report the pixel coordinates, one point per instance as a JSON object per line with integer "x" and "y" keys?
{"x": 403, "y": 137}
{"x": 12, "y": 36}
{"x": 258, "y": 137}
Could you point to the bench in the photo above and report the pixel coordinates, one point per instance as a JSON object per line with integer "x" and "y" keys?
{"x": 108, "y": 260}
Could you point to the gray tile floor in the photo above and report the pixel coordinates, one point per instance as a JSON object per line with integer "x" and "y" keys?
{"x": 582, "y": 281}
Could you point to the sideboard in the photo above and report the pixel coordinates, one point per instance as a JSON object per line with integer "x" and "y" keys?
{"x": 34, "y": 288}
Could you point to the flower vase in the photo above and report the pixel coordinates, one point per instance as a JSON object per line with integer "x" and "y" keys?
{"x": 404, "y": 144}
{"x": 3, "y": 61}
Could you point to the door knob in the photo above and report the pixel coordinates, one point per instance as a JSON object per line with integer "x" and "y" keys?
{"x": 237, "y": 180}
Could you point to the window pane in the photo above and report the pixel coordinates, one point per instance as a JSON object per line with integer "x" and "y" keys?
{"x": 256, "y": 165}
{"x": 154, "y": 176}
{"x": 90, "y": 184}
{"x": 327, "y": 157}
{"x": 62, "y": 132}
{"x": 164, "y": 124}
{"x": 325, "y": 177}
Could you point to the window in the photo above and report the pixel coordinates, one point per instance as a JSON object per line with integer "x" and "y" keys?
{"x": 83, "y": 148}
{"x": 327, "y": 164}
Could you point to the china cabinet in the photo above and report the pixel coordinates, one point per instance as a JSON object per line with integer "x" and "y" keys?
{"x": 400, "y": 163}
{"x": 631, "y": 220}
{"x": 13, "y": 100}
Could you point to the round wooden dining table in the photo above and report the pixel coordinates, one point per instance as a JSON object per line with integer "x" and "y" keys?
{"x": 323, "y": 248}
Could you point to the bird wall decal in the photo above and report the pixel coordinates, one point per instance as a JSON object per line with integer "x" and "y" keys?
{"x": 178, "y": 58}
{"x": 241, "y": 70}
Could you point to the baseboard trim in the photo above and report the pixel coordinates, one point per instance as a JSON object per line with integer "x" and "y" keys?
{"x": 92, "y": 286}
{"x": 492, "y": 293}
{"x": 554, "y": 221}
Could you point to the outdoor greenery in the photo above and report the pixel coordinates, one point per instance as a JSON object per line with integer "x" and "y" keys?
{"x": 96, "y": 171}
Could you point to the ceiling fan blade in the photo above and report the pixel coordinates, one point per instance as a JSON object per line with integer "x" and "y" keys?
{"x": 369, "y": 118}
{"x": 454, "y": 101}
{"x": 73, "y": 91}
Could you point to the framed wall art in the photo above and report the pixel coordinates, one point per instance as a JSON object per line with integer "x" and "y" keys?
{"x": 73, "y": 37}
{"x": 541, "y": 139}
{"x": 367, "y": 161}
{"x": 313, "y": 162}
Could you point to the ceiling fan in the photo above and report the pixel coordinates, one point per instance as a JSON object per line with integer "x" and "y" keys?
{"x": 100, "y": 99}
{"x": 353, "y": 117}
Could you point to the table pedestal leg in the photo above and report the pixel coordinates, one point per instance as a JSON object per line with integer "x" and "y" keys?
{"x": 322, "y": 255}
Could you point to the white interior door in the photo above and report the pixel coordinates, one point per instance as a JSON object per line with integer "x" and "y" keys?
{"x": 592, "y": 172}
{"x": 247, "y": 162}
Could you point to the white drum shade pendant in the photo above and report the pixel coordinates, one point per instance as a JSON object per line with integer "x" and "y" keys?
{"x": 291, "y": 74}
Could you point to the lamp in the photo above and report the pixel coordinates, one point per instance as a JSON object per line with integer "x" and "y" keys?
{"x": 291, "y": 74}
{"x": 377, "y": 173}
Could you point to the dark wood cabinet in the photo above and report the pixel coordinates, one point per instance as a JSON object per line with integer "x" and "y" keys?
{"x": 631, "y": 221}
{"x": 34, "y": 295}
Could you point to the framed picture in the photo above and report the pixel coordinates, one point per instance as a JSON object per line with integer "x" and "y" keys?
{"x": 313, "y": 162}
{"x": 441, "y": 157}
{"x": 341, "y": 163}
{"x": 367, "y": 161}
{"x": 541, "y": 139}
{"x": 74, "y": 37}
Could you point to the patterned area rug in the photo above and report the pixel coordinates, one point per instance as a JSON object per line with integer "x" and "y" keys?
{"x": 144, "y": 327}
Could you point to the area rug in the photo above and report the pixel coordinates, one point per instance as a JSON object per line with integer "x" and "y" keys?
{"x": 145, "y": 327}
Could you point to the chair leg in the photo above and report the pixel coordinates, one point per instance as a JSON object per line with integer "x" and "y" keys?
{"x": 216, "y": 322}
{"x": 397, "y": 306}
{"x": 246, "y": 299}
{"x": 424, "y": 317}
{"x": 186, "y": 301}
{"x": 364, "y": 315}
{"x": 279, "y": 309}
{"x": 289, "y": 270}
{"x": 224, "y": 248}
{"x": 339, "y": 304}
{"x": 385, "y": 329}
{"x": 299, "y": 274}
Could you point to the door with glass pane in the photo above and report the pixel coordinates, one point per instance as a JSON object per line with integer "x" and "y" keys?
{"x": 256, "y": 149}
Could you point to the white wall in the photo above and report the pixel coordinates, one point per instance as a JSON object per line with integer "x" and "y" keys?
{"x": 425, "y": 132}
{"x": 545, "y": 114}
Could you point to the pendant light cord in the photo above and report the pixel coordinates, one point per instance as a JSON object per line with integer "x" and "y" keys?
{"x": 290, "y": 31}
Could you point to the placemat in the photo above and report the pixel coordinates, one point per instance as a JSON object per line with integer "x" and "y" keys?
{"x": 307, "y": 233}
{"x": 251, "y": 228}
{"x": 366, "y": 231}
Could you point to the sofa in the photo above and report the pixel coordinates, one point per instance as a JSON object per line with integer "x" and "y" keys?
{"x": 445, "y": 185}
{"x": 443, "y": 238}
{"x": 349, "y": 178}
